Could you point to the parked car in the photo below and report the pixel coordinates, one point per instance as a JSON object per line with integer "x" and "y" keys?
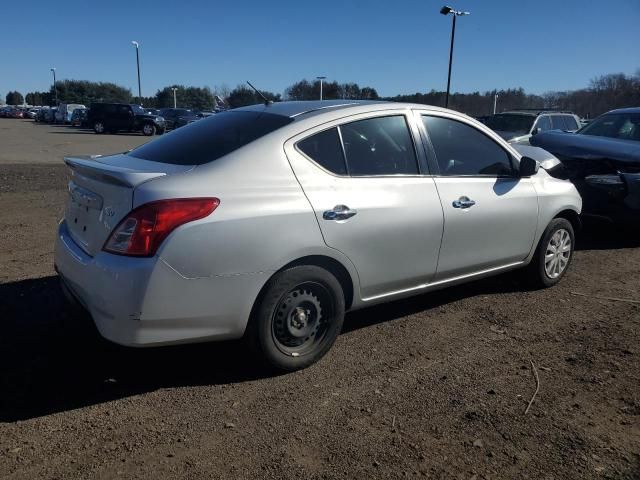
{"x": 178, "y": 117}
{"x": 65, "y": 111}
{"x": 115, "y": 117}
{"x": 518, "y": 126}
{"x": 40, "y": 116}
{"x": 79, "y": 117}
{"x": 151, "y": 111}
{"x": 50, "y": 115}
{"x": 32, "y": 113}
{"x": 603, "y": 161}
{"x": 271, "y": 221}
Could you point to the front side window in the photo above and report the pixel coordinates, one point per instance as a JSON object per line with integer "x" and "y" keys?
{"x": 325, "y": 149}
{"x": 379, "y": 146}
{"x": 570, "y": 122}
{"x": 462, "y": 150}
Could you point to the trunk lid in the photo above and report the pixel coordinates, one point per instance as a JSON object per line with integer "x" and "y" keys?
{"x": 101, "y": 194}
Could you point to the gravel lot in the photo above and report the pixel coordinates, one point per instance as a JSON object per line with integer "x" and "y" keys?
{"x": 431, "y": 387}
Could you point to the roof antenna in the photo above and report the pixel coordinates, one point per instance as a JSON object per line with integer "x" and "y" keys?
{"x": 266, "y": 100}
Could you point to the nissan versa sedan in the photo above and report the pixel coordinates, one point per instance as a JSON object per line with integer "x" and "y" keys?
{"x": 269, "y": 222}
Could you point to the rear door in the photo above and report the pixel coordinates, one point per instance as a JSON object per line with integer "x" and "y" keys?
{"x": 490, "y": 213}
{"x": 373, "y": 198}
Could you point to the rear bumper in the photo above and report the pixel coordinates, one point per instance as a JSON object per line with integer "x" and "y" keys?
{"x": 145, "y": 302}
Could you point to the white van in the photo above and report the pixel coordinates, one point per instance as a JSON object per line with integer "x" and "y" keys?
{"x": 65, "y": 110}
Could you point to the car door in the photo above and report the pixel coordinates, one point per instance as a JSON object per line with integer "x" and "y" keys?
{"x": 490, "y": 213}
{"x": 373, "y": 198}
{"x": 121, "y": 118}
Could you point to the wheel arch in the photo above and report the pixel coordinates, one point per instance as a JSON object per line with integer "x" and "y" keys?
{"x": 332, "y": 265}
{"x": 572, "y": 216}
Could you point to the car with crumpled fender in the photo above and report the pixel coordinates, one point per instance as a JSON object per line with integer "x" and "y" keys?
{"x": 603, "y": 161}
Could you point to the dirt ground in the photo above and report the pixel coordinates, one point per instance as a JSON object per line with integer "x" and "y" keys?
{"x": 431, "y": 387}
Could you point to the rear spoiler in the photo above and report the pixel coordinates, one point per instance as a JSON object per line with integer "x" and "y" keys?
{"x": 88, "y": 166}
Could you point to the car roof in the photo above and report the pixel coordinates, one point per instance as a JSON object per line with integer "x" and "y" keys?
{"x": 305, "y": 109}
{"x": 625, "y": 110}
{"x": 536, "y": 112}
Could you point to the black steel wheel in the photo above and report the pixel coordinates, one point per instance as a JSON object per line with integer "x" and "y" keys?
{"x": 298, "y": 317}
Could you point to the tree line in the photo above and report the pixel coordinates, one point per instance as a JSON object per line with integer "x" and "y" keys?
{"x": 604, "y": 93}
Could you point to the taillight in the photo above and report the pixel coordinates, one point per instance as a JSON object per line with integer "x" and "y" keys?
{"x": 142, "y": 231}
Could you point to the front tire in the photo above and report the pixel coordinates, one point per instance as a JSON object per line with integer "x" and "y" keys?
{"x": 298, "y": 318}
{"x": 553, "y": 254}
{"x": 148, "y": 130}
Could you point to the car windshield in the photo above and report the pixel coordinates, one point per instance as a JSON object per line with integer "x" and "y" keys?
{"x": 137, "y": 109}
{"x": 509, "y": 122}
{"x": 211, "y": 138}
{"x": 615, "y": 125}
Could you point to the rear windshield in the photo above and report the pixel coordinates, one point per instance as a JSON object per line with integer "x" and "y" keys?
{"x": 508, "y": 122}
{"x": 211, "y": 138}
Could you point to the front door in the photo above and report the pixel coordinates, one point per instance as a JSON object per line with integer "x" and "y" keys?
{"x": 372, "y": 200}
{"x": 490, "y": 213}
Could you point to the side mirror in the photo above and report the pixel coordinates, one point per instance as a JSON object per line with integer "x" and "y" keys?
{"x": 536, "y": 131}
{"x": 528, "y": 167}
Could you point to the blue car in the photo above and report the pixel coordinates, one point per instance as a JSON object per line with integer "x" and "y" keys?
{"x": 602, "y": 159}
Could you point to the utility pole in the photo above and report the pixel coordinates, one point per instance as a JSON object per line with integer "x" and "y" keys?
{"x": 137, "y": 45}
{"x": 55, "y": 87}
{"x": 455, "y": 13}
{"x": 321, "y": 80}
{"x": 174, "y": 97}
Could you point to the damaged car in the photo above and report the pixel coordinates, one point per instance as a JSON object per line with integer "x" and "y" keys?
{"x": 603, "y": 161}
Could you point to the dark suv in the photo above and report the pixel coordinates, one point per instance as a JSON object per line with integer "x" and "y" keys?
{"x": 178, "y": 117}
{"x": 114, "y": 117}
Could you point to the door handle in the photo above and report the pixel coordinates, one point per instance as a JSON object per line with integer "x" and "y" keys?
{"x": 463, "y": 202}
{"x": 339, "y": 212}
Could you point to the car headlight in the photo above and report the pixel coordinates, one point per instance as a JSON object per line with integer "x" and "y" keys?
{"x": 159, "y": 119}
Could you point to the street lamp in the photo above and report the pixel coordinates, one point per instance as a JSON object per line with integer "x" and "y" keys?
{"x": 321, "y": 80}
{"x": 137, "y": 45}
{"x": 455, "y": 13}
{"x": 55, "y": 88}
{"x": 174, "y": 96}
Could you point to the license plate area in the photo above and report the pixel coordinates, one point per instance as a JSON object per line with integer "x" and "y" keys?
{"x": 83, "y": 209}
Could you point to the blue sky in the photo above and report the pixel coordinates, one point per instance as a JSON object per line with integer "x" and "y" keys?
{"x": 395, "y": 46}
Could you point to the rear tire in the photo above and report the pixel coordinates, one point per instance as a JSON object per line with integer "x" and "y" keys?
{"x": 297, "y": 319}
{"x": 99, "y": 127}
{"x": 553, "y": 254}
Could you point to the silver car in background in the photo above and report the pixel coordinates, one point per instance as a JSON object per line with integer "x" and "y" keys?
{"x": 269, "y": 222}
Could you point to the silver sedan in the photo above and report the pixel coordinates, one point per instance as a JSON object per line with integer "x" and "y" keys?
{"x": 269, "y": 222}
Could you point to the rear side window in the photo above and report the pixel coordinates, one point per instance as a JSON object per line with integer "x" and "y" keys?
{"x": 379, "y": 146}
{"x": 211, "y": 138}
{"x": 558, "y": 122}
{"x": 463, "y": 150}
{"x": 325, "y": 149}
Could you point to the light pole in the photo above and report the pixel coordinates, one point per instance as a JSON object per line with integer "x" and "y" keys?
{"x": 55, "y": 87}
{"x": 137, "y": 45}
{"x": 174, "y": 97}
{"x": 495, "y": 101}
{"x": 455, "y": 13}
{"x": 321, "y": 80}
